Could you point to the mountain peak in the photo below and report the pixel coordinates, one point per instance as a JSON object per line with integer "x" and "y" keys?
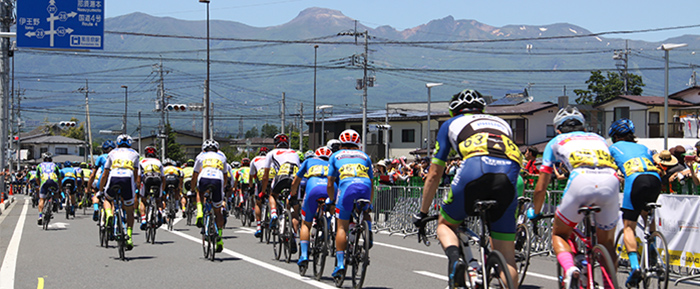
{"x": 319, "y": 12}
{"x": 321, "y": 17}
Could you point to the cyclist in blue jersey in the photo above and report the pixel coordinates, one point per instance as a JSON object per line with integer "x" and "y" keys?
{"x": 96, "y": 175}
{"x": 49, "y": 175}
{"x": 69, "y": 177}
{"x": 642, "y": 186}
{"x": 353, "y": 168}
{"x": 315, "y": 170}
{"x": 489, "y": 171}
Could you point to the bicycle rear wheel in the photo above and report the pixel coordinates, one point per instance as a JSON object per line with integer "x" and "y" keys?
{"x": 47, "y": 213}
{"x": 121, "y": 236}
{"x": 275, "y": 239}
{"x": 522, "y": 251}
{"x": 496, "y": 272}
{"x": 213, "y": 235}
{"x": 360, "y": 256}
{"x": 319, "y": 247}
{"x": 288, "y": 236}
{"x": 603, "y": 270}
{"x": 206, "y": 248}
{"x": 656, "y": 272}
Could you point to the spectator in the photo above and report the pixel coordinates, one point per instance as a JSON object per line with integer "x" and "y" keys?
{"x": 530, "y": 155}
{"x": 671, "y": 170}
{"x": 424, "y": 166}
{"x": 679, "y": 152}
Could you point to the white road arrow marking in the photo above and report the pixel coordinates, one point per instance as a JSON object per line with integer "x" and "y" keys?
{"x": 58, "y": 225}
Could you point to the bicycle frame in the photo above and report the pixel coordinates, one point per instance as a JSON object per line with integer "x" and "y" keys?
{"x": 589, "y": 240}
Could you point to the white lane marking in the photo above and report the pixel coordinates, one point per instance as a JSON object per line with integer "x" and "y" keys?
{"x": 410, "y": 250}
{"x": 290, "y": 274}
{"x": 431, "y": 274}
{"x": 538, "y": 275}
{"x": 7, "y": 271}
{"x": 176, "y": 220}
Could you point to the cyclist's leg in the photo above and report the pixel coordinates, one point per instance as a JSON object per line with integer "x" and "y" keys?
{"x": 308, "y": 211}
{"x": 42, "y": 199}
{"x": 128, "y": 193}
{"x": 142, "y": 205}
{"x": 274, "y": 194}
{"x": 259, "y": 197}
{"x": 344, "y": 206}
{"x": 503, "y": 186}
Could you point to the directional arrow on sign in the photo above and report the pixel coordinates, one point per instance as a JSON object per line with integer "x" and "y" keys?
{"x": 30, "y": 33}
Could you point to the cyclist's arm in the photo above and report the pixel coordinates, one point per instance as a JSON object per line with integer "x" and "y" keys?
{"x": 430, "y": 187}
{"x": 92, "y": 176}
{"x": 266, "y": 178}
{"x": 541, "y": 190}
{"x": 103, "y": 180}
{"x": 295, "y": 186}
{"x": 193, "y": 181}
{"x": 330, "y": 188}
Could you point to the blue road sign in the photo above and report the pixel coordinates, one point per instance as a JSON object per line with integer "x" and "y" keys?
{"x": 60, "y": 24}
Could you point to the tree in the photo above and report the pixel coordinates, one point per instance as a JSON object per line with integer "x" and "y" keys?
{"x": 76, "y": 132}
{"x": 602, "y": 88}
{"x": 174, "y": 150}
{"x": 294, "y": 141}
{"x": 251, "y": 133}
{"x": 269, "y": 131}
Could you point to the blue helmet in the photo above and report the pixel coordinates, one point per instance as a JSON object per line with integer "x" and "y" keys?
{"x": 621, "y": 127}
{"x": 124, "y": 140}
{"x": 108, "y": 144}
{"x": 68, "y": 164}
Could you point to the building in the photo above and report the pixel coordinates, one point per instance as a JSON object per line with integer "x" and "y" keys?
{"x": 190, "y": 141}
{"x": 62, "y": 148}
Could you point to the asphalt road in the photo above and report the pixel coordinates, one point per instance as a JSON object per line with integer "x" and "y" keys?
{"x": 69, "y": 256}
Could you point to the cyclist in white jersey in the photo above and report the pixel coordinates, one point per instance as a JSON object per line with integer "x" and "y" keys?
{"x": 285, "y": 162}
{"x": 210, "y": 170}
{"x": 593, "y": 181}
{"x": 150, "y": 177}
{"x": 255, "y": 177}
{"x": 120, "y": 169}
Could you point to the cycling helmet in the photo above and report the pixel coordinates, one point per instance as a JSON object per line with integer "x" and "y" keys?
{"x": 190, "y": 162}
{"x": 47, "y": 156}
{"x": 301, "y": 156}
{"x": 210, "y": 145}
{"x": 108, "y": 144}
{"x": 568, "y": 113}
{"x": 263, "y": 151}
{"x": 169, "y": 162}
{"x": 334, "y": 145}
{"x": 150, "y": 152}
{"x": 124, "y": 140}
{"x": 467, "y": 100}
{"x": 621, "y": 127}
{"x": 83, "y": 165}
{"x": 349, "y": 136}
{"x": 67, "y": 164}
{"x": 323, "y": 152}
{"x": 281, "y": 140}
{"x": 308, "y": 154}
{"x": 245, "y": 162}
{"x": 235, "y": 164}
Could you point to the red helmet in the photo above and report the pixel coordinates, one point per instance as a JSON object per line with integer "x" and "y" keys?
{"x": 150, "y": 151}
{"x": 245, "y": 162}
{"x": 349, "y": 136}
{"x": 263, "y": 151}
{"x": 281, "y": 140}
{"x": 323, "y": 152}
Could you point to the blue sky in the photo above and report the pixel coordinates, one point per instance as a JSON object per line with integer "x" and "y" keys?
{"x": 594, "y": 15}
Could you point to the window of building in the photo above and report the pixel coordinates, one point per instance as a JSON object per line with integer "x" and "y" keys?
{"x": 654, "y": 117}
{"x": 43, "y": 150}
{"x": 519, "y": 130}
{"x": 621, "y": 112}
{"x": 550, "y": 131}
{"x": 408, "y": 135}
{"x": 61, "y": 151}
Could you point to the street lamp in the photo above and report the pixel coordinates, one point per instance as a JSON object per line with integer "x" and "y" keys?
{"x": 313, "y": 142}
{"x": 323, "y": 108}
{"x": 666, "y": 48}
{"x": 430, "y": 85}
{"x": 126, "y": 97}
{"x": 205, "y": 132}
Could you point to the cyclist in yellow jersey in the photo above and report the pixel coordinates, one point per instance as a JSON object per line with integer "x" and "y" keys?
{"x": 211, "y": 172}
{"x": 187, "y": 171}
{"x": 241, "y": 180}
{"x": 173, "y": 177}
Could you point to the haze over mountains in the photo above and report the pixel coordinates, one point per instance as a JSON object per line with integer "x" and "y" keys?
{"x": 248, "y": 75}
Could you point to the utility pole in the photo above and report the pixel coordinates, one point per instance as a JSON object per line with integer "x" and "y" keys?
{"x": 140, "y": 139}
{"x": 20, "y": 92}
{"x": 282, "y": 110}
{"x": 7, "y": 20}
{"x": 386, "y": 133}
{"x": 87, "y": 91}
{"x": 161, "y": 97}
{"x": 301, "y": 126}
{"x": 364, "y": 93}
{"x": 623, "y": 58}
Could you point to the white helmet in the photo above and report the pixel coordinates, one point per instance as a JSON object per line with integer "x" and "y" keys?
{"x": 210, "y": 144}
{"x": 568, "y": 113}
{"x": 124, "y": 140}
{"x": 349, "y": 136}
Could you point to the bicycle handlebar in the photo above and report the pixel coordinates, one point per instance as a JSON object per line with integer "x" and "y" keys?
{"x": 422, "y": 237}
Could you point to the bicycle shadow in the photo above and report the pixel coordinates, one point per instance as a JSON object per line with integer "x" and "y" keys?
{"x": 137, "y": 258}
{"x": 220, "y": 260}
{"x": 163, "y": 242}
{"x": 229, "y": 237}
{"x": 529, "y": 287}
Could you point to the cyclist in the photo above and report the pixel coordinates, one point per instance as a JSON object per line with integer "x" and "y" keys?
{"x": 257, "y": 166}
{"x": 315, "y": 169}
{"x": 593, "y": 180}
{"x": 242, "y": 180}
{"x": 493, "y": 162}
{"x": 353, "y": 169}
{"x": 173, "y": 177}
{"x": 32, "y": 182}
{"x": 48, "y": 175}
{"x": 642, "y": 186}
{"x": 285, "y": 162}
{"x": 150, "y": 178}
{"x": 85, "y": 188}
{"x": 119, "y": 170}
{"x": 96, "y": 175}
{"x": 334, "y": 145}
{"x": 187, "y": 171}
{"x": 69, "y": 177}
{"x": 210, "y": 170}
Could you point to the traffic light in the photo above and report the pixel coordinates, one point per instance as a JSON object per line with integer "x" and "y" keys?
{"x": 177, "y": 107}
{"x": 67, "y": 124}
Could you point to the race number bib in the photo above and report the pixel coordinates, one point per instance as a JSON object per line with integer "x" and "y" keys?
{"x": 213, "y": 163}
{"x": 638, "y": 165}
{"x": 287, "y": 169}
{"x": 475, "y": 145}
{"x": 353, "y": 171}
{"x": 317, "y": 171}
{"x": 151, "y": 169}
{"x": 591, "y": 158}
{"x": 122, "y": 164}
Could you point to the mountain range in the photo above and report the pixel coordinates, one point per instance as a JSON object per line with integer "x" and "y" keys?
{"x": 251, "y": 67}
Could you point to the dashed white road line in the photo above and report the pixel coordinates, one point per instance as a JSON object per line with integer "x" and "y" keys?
{"x": 9, "y": 263}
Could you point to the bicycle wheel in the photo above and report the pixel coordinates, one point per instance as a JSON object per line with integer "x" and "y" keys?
{"x": 190, "y": 212}
{"x": 47, "y": 214}
{"x": 360, "y": 256}
{"x": 213, "y": 236}
{"x": 288, "y": 236}
{"x": 496, "y": 272}
{"x": 121, "y": 236}
{"x": 603, "y": 269}
{"x": 152, "y": 222}
{"x": 656, "y": 271}
{"x": 206, "y": 249}
{"x": 522, "y": 251}
{"x": 68, "y": 204}
{"x": 275, "y": 237}
{"x": 268, "y": 229}
{"x": 319, "y": 247}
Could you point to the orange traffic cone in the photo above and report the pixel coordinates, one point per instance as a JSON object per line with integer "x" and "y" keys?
{"x": 10, "y": 190}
